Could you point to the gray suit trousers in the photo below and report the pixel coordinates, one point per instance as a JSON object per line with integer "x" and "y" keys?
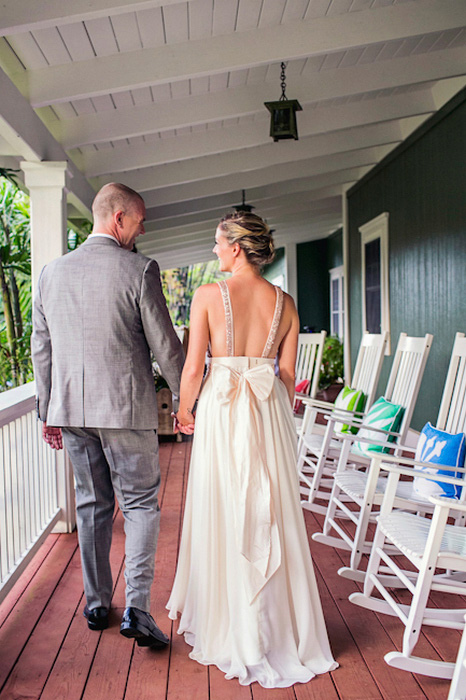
{"x": 109, "y": 461}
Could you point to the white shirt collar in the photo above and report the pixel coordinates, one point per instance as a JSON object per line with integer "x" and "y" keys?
{"x": 104, "y": 235}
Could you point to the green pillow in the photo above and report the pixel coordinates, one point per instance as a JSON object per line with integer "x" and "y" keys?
{"x": 383, "y": 415}
{"x": 350, "y": 400}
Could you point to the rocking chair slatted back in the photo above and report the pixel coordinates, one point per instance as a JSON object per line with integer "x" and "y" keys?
{"x": 309, "y": 359}
{"x": 369, "y": 364}
{"x": 452, "y": 413}
{"x": 406, "y": 375}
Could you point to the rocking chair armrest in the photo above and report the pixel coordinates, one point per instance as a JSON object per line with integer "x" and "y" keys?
{"x": 450, "y": 503}
{"x": 413, "y": 472}
{"x": 395, "y": 461}
{"x": 326, "y": 406}
{"x": 367, "y": 440}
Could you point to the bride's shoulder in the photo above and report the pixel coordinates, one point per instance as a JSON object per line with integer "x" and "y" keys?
{"x": 206, "y": 293}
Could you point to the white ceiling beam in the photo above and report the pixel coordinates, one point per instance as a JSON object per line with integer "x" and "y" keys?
{"x": 174, "y": 228}
{"x": 315, "y": 188}
{"x": 184, "y": 151}
{"x": 187, "y": 255}
{"x": 28, "y": 15}
{"x": 238, "y": 50}
{"x": 234, "y": 183}
{"x": 178, "y": 236}
{"x": 21, "y": 127}
{"x": 269, "y": 156}
{"x": 242, "y": 101}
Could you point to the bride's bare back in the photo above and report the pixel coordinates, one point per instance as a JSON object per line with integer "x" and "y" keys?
{"x": 253, "y": 302}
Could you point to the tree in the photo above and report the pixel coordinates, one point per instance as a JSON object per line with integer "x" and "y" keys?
{"x": 15, "y": 279}
{"x": 180, "y": 284}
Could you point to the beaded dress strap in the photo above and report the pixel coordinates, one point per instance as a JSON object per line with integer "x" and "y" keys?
{"x": 228, "y": 317}
{"x": 275, "y": 323}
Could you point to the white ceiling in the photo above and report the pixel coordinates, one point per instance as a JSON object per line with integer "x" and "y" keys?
{"x": 167, "y": 96}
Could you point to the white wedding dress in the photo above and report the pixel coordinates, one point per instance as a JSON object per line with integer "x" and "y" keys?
{"x": 245, "y": 583}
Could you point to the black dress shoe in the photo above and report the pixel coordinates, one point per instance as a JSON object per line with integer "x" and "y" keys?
{"x": 141, "y": 626}
{"x": 97, "y": 618}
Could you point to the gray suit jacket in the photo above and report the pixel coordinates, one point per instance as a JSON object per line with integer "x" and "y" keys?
{"x": 98, "y": 312}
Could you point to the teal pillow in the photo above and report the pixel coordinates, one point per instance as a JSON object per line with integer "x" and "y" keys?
{"x": 383, "y": 415}
{"x": 350, "y": 400}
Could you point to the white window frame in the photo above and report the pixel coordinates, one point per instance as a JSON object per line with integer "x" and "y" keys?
{"x": 337, "y": 273}
{"x": 377, "y": 228}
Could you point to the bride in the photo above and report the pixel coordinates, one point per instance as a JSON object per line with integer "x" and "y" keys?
{"x": 245, "y": 584}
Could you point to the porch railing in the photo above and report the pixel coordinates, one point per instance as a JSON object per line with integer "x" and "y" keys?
{"x": 36, "y": 486}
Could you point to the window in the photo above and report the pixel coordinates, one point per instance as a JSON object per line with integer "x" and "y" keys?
{"x": 336, "y": 302}
{"x": 375, "y": 284}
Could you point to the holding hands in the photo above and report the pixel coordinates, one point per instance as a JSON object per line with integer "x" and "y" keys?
{"x": 183, "y": 422}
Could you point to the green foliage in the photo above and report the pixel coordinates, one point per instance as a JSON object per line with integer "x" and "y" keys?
{"x": 15, "y": 279}
{"x": 332, "y": 368}
{"x": 180, "y": 284}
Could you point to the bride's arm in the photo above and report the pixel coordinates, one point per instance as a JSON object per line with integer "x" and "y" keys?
{"x": 288, "y": 349}
{"x": 193, "y": 369}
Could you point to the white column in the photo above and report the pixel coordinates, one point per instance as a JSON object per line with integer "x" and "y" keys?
{"x": 46, "y": 183}
{"x": 346, "y": 286}
{"x": 291, "y": 271}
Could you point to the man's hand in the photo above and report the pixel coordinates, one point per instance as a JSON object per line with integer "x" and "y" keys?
{"x": 186, "y": 429}
{"x": 52, "y": 436}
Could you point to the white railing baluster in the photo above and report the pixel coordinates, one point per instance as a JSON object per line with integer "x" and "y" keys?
{"x": 31, "y": 504}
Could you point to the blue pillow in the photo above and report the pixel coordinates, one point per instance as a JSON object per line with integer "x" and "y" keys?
{"x": 438, "y": 447}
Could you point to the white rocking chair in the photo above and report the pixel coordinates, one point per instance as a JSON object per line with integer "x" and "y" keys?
{"x": 366, "y": 377}
{"x": 402, "y": 389}
{"x": 458, "y": 683}
{"x": 308, "y": 363}
{"x": 429, "y": 544}
{"x": 366, "y": 488}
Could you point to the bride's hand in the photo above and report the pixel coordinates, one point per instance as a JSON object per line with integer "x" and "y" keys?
{"x": 183, "y": 424}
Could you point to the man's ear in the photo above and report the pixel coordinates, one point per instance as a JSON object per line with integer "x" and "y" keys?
{"x": 118, "y": 218}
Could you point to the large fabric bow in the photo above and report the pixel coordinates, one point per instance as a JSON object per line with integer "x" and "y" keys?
{"x": 256, "y": 528}
{"x": 229, "y": 381}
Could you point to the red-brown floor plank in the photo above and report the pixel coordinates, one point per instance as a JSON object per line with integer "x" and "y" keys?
{"x": 31, "y": 671}
{"x": 114, "y": 649}
{"x": 221, "y": 689}
{"x": 76, "y": 655}
{"x": 149, "y": 673}
{"x": 27, "y": 612}
{"x": 368, "y": 634}
{"x": 259, "y": 693}
{"x": 25, "y": 580}
{"x": 47, "y": 651}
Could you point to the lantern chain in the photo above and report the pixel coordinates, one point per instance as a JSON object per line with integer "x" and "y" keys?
{"x": 283, "y": 81}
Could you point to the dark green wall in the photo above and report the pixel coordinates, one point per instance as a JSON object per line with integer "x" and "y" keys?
{"x": 422, "y": 185}
{"x": 314, "y": 260}
{"x": 277, "y": 267}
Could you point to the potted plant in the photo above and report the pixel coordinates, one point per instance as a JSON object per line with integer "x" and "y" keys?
{"x": 332, "y": 370}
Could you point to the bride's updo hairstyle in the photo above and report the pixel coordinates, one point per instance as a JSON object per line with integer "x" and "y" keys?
{"x": 252, "y": 235}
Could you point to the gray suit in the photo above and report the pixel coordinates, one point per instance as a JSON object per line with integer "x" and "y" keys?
{"x": 98, "y": 313}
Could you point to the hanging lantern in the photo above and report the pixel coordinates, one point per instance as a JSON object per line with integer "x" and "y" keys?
{"x": 283, "y": 114}
{"x": 243, "y": 206}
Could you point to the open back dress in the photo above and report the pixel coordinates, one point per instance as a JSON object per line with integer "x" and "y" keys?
{"x": 245, "y": 583}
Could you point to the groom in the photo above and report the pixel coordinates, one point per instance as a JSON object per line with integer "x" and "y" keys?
{"x": 98, "y": 313}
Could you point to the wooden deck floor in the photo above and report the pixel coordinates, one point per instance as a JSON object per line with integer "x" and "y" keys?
{"x": 48, "y": 653}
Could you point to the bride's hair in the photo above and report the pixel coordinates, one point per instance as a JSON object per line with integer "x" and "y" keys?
{"x": 252, "y": 235}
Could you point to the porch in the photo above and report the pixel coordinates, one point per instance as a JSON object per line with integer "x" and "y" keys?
{"x": 49, "y": 653}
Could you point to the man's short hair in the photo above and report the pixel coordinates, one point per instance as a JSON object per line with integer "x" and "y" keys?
{"x": 114, "y": 197}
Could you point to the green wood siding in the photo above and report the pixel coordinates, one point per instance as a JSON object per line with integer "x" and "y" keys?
{"x": 422, "y": 187}
{"x": 277, "y": 267}
{"x": 314, "y": 260}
